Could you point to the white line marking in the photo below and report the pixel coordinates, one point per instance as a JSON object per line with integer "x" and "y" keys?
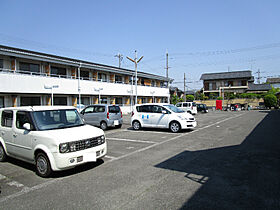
{"x": 130, "y": 140}
{"x": 27, "y": 190}
{"x": 146, "y": 131}
{"x": 2, "y": 177}
{"x": 111, "y": 157}
{"x": 15, "y": 183}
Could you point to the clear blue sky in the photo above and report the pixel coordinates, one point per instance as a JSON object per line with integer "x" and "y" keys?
{"x": 200, "y": 35}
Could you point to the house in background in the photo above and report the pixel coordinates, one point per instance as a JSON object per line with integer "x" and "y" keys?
{"x": 235, "y": 81}
{"x": 258, "y": 88}
{"x": 275, "y": 82}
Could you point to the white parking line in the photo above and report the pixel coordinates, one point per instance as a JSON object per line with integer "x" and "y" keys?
{"x": 110, "y": 157}
{"x": 2, "y": 177}
{"x": 130, "y": 140}
{"x": 146, "y": 131}
{"x": 15, "y": 183}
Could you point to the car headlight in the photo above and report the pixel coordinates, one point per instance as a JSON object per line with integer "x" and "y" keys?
{"x": 101, "y": 139}
{"x": 63, "y": 147}
{"x": 72, "y": 147}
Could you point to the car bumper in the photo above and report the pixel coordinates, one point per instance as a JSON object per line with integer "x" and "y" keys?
{"x": 188, "y": 124}
{"x": 64, "y": 161}
{"x": 114, "y": 123}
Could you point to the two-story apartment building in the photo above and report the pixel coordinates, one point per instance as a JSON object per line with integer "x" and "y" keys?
{"x": 235, "y": 81}
{"x": 29, "y": 78}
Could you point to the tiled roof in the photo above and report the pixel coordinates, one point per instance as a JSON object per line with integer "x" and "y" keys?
{"x": 273, "y": 80}
{"x": 227, "y": 75}
{"x": 259, "y": 87}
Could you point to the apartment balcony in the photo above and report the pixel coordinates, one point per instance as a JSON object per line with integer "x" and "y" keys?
{"x": 33, "y": 83}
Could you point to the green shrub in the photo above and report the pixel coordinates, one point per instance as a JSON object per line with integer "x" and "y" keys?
{"x": 270, "y": 100}
{"x": 189, "y": 97}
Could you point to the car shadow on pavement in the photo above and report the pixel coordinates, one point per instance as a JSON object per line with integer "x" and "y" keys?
{"x": 58, "y": 174}
{"x": 244, "y": 176}
{"x": 77, "y": 169}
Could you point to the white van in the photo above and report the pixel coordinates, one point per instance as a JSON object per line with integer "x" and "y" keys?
{"x": 51, "y": 137}
{"x": 189, "y": 107}
{"x": 161, "y": 116}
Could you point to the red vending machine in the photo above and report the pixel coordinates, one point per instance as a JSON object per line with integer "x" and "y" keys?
{"x": 219, "y": 105}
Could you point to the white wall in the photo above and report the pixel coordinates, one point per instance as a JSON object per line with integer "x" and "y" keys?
{"x": 19, "y": 83}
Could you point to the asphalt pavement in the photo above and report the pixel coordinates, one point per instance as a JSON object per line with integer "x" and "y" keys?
{"x": 230, "y": 161}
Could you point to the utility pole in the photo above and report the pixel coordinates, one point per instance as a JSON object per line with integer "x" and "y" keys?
{"x": 167, "y": 67}
{"x": 120, "y": 57}
{"x": 184, "y": 87}
{"x": 259, "y": 76}
{"x": 79, "y": 86}
{"x": 135, "y": 61}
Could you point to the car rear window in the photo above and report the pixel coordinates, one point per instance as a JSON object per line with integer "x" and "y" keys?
{"x": 194, "y": 104}
{"x": 114, "y": 109}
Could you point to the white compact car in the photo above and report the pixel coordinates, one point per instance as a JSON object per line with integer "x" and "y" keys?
{"x": 189, "y": 107}
{"x": 51, "y": 137}
{"x": 161, "y": 116}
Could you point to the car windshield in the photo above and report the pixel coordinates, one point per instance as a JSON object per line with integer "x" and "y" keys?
{"x": 173, "y": 108}
{"x": 57, "y": 119}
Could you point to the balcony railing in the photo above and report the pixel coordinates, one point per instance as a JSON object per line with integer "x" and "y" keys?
{"x": 10, "y": 71}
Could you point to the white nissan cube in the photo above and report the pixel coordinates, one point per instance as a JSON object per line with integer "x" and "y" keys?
{"x": 161, "y": 116}
{"x": 51, "y": 137}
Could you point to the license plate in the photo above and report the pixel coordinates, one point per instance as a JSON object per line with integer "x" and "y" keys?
{"x": 79, "y": 159}
{"x": 116, "y": 122}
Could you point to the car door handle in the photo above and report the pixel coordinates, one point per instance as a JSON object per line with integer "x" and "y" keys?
{"x": 15, "y": 135}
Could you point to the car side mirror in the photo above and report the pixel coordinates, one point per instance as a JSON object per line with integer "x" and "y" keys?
{"x": 27, "y": 126}
{"x": 82, "y": 112}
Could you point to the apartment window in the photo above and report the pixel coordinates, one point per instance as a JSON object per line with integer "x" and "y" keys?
{"x": 206, "y": 86}
{"x": 118, "y": 101}
{"x": 118, "y": 79}
{"x": 142, "y": 82}
{"x": 30, "y": 101}
{"x": 102, "y": 77}
{"x": 132, "y": 79}
{"x": 1, "y": 64}
{"x": 85, "y": 100}
{"x": 1, "y": 101}
{"x": 60, "y": 101}
{"x": 153, "y": 84}
{"x": 210, "y": 86}
{"x": 144, "y": 100}
{"x": 84, "y": 74}
{"x": 230, "y": 83}
{"x": 29, "y": 67}
{"x": 243, "y": 82}
{"x": 104, "y": 100}
{"x": 57, "y": 71}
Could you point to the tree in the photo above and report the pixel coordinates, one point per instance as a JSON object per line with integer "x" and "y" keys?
{"x": 175, "y": 99}
{"x": 189, "y": 97}
{"x": 270, "y": 100}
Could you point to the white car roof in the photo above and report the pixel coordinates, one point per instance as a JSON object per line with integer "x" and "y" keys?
{"x": 161, "y": 104}
{"x": 38, "y": 108}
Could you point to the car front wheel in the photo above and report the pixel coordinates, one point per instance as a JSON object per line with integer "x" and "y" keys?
{"x": 136, "y": 125}
{"x": 174, "y": 127}
{"x": 103, "y": 125}
{"x": 43, "y": 166}
{"x": 3, "y": 155}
